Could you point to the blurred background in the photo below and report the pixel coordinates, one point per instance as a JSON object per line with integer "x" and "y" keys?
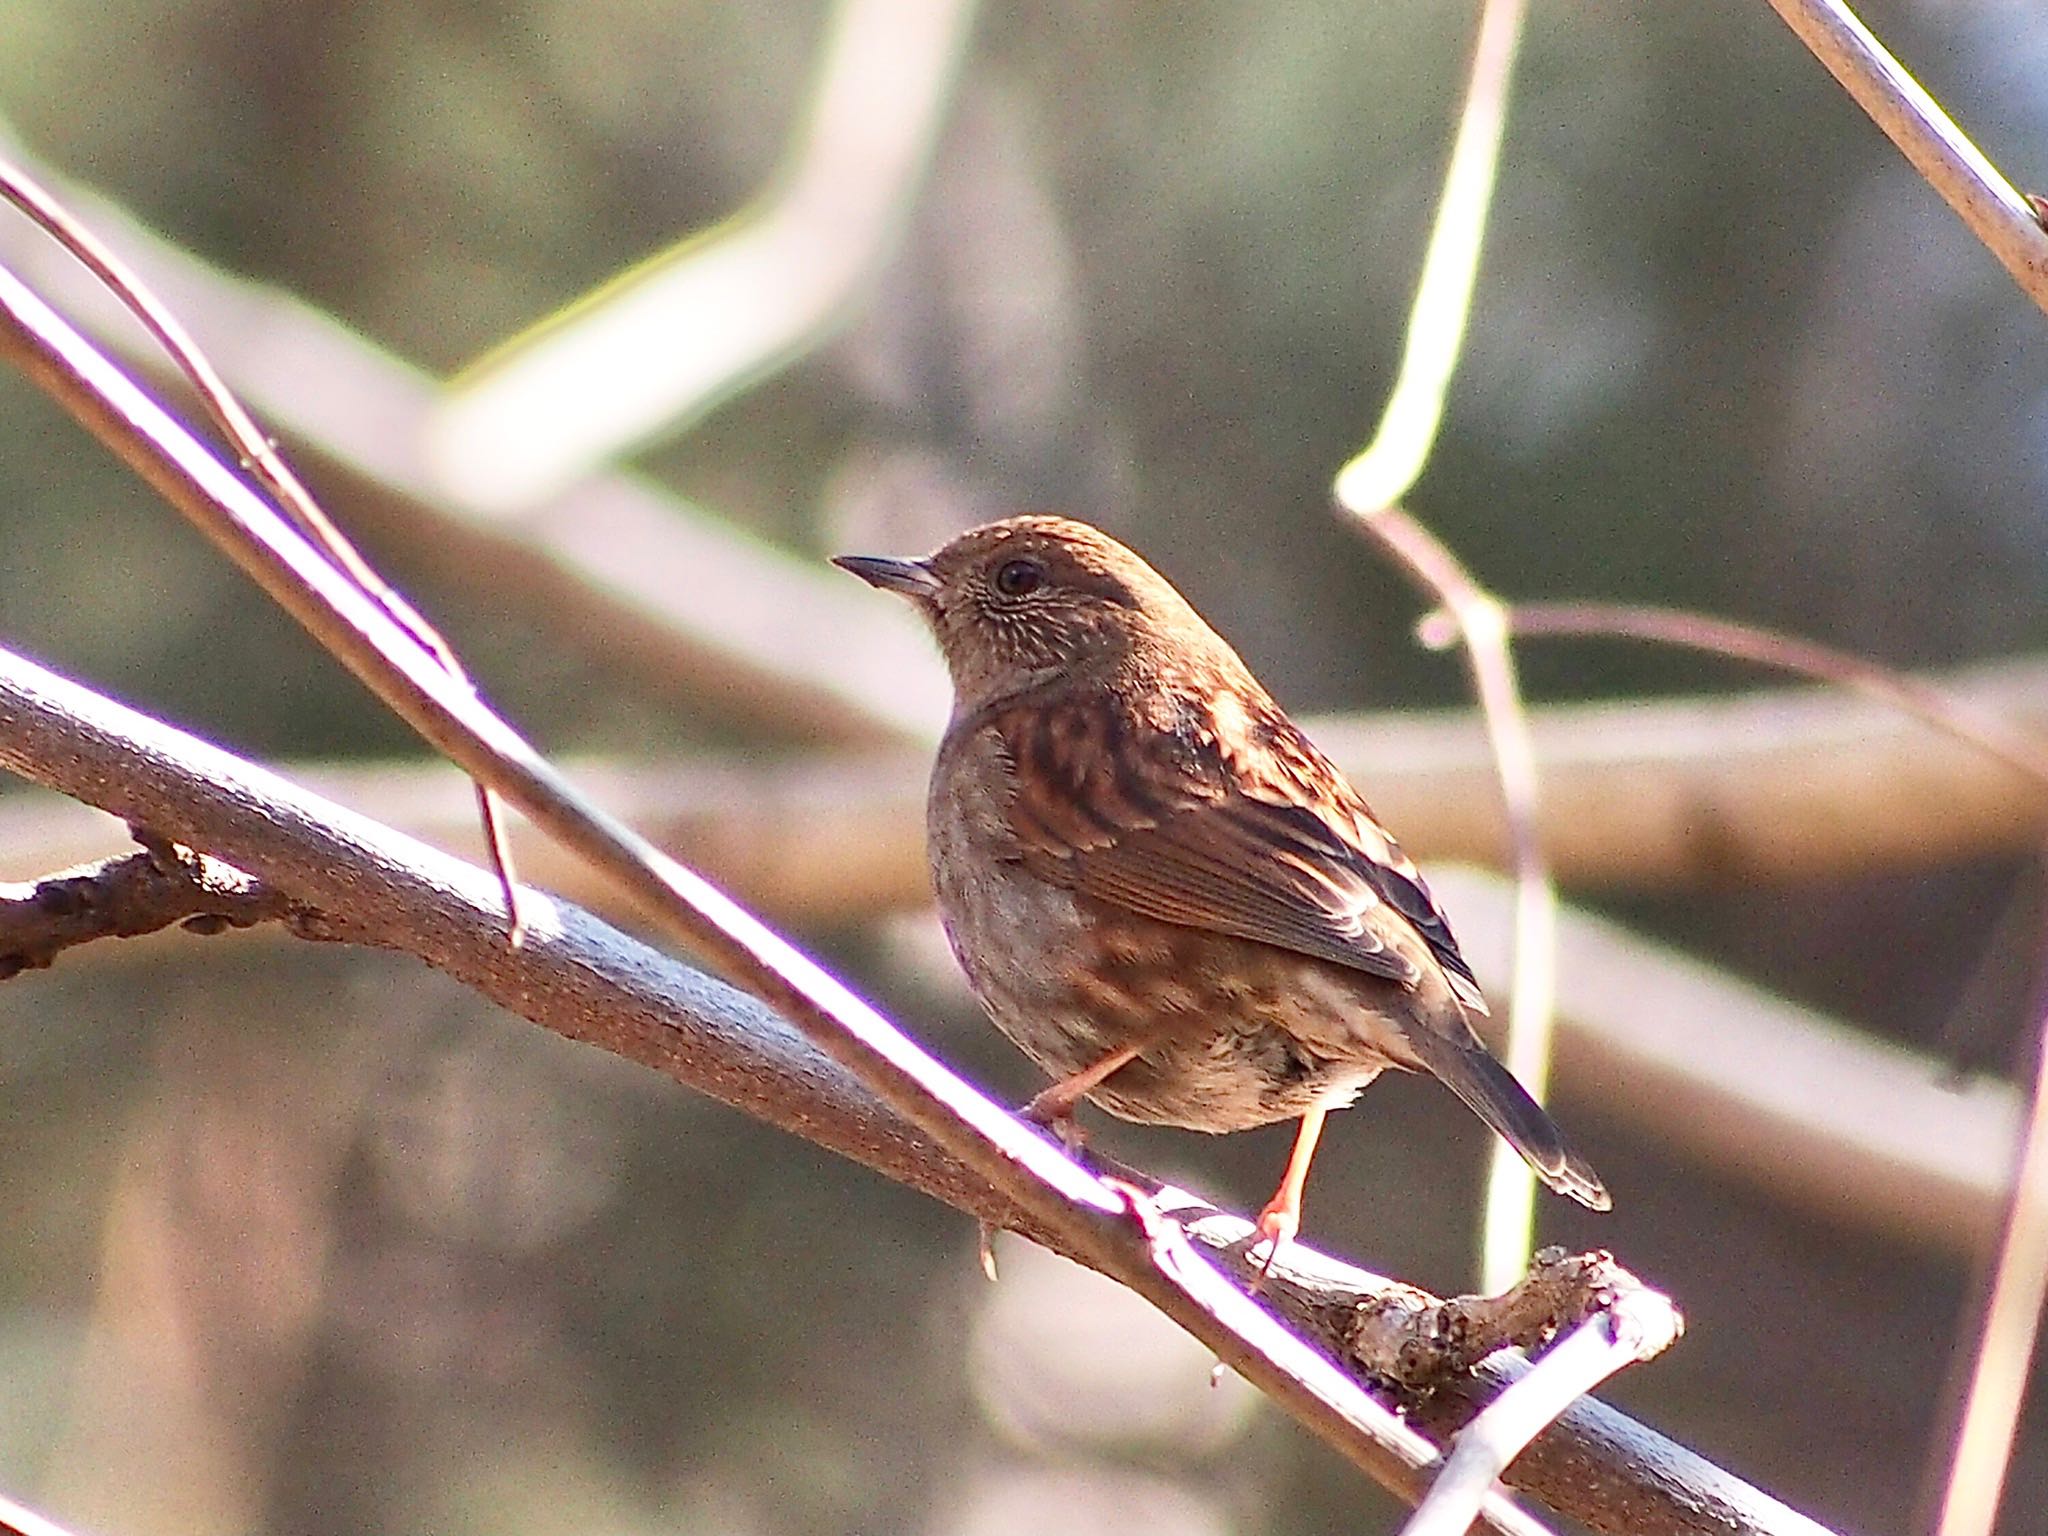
{"x": 304, "y": 1242}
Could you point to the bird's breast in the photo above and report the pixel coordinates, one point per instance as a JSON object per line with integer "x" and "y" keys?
{"x": 998, "y": 918}
{"x": 1238, "y": 1033}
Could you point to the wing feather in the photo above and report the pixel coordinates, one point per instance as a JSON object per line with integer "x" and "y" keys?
{"x": 1228, "y": 819}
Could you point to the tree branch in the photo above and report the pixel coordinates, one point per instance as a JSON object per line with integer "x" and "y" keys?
{"x": 124, "y": 898}
{"x": 17, "y": 1521}
{"x": 1051, "y": 1191}
{"x": 348, "y": 879}
{"x": 259, "y": 457}
{"x": 1940, "y": 151}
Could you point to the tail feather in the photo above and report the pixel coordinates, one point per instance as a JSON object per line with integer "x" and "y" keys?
{"x": 1492, "y": 1093}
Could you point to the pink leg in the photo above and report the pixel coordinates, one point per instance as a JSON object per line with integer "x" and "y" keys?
{"x": 1281, "y": 1218}
{"x": 1055, "y": 1107}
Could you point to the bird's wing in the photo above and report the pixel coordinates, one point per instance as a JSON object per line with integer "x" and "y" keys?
{"x": 1222, "y": 817}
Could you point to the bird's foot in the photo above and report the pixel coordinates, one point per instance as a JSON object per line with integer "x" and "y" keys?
{"x": 1277, "y": 1224}
{"x": 1054, "y": 1111}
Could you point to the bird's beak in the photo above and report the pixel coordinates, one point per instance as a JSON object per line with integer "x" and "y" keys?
{"x": 913, "y": 578}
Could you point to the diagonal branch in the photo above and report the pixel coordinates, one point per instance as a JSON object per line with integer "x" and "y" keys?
{"x": 1051, "y": 1192}
{"x": 346, "y": 878}
{"x": 693, "y": 607}
{"x": 260, "y": 457}
{"x": 1928, "y": 137}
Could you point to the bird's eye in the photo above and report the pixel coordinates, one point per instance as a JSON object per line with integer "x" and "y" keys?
{"x": 1016, "y": 578}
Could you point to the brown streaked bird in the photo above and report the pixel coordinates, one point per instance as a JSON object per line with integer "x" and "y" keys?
{"x": 1157, "y": 885}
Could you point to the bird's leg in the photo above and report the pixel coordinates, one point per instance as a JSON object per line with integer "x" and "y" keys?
{"x": 1281, "y": 1218}
{"x": 1054, "y": 1108}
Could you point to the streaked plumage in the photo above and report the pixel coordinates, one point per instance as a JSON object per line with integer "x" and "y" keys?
{"x": 1134, "y": 847}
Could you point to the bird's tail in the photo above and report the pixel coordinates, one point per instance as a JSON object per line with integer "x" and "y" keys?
{"x": 1492, "y": 1093}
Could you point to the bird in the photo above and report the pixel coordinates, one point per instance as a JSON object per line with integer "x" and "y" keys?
{"x": 1158, "y": 887}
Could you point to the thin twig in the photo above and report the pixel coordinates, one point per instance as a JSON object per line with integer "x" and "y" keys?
{"x": 260, "y": 457}
{"x": 125, "y": 897}
{"x": 2023, "y": 751}
{"x": 2018, "y": 1285}
{"x": 1510, "y": 1189}
{"x": 1639, "y": 1326}
{"x": 1037, "y": 1176}
{"x": 2011, "y": 1323}
{"x": 1412, "y": 1338}
{"x": 1370, "y": 486}
{"x": 1388, "y": 467}
{"x": 1940, "y": 151}
{"x": 646, "y": 583}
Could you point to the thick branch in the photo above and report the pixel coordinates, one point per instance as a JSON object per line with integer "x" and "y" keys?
{"x": 1773, "y": 785}
{"x": 350, "y": 879}
{"x": 1107, "y": 1225}
{"x": 1889, "y": 1145}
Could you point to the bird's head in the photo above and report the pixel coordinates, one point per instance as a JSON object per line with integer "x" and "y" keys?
{"x": 1021, "y": 601}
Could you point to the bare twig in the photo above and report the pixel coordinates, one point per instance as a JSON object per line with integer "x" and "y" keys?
{"x": 1048, "y": 1187}
{"x": 1510, "y": 1220}
{"x": 2023, "y": 751}
{"x": 348, "y": 879}
{"x": 1638, "y": 1326}
{"x": 1940, "y": 151}
{"x": 2010, "y": 1326}
{"x": 1388, "y": 467}
{"x": 260, "y": 456}
{"x": 125, "y": 897}
{"x": 1410, "y": 1337}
